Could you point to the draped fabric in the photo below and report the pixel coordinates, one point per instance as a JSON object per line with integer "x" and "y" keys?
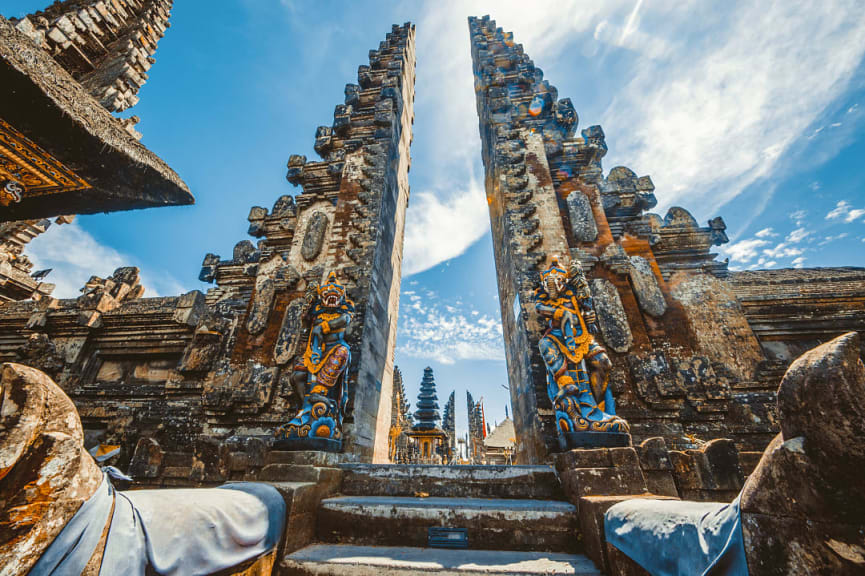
{"x": 675, "y": 538}
{"x": 184, "y": 532}
{"x": 71, "y": 550}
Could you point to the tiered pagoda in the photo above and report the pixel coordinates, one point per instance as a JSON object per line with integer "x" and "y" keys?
{"x": 426, "y": 431}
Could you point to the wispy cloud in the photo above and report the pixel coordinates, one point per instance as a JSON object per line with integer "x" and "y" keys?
{"x": 797, "y": 235}
{"x": 765, "y": 233}
{"x": 74, "y": 255}
{"x": 441, "y": 227}
{"x": 446, "y": 333}
{"x": 844, "y": 211}
{"x": 829, "y": 239}
{"x": 745, "y": 250}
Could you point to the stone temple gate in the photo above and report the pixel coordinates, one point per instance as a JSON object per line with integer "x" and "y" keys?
{"x": 685, "y": 358}
{"x": 188, "y": 391}
{"x": 191, "y": 387}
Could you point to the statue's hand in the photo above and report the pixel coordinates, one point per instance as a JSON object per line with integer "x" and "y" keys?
{"x": 589, "y": 317}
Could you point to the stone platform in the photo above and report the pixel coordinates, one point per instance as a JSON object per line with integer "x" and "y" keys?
{"x": 532, "y": 482}
{"x": 492, "y": 523}
{"x": 400, "y": 561}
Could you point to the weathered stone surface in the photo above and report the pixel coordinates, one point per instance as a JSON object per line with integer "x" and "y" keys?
{"x": 45, "y": 472}
{"x": 803, "y": 506}
{"x": 793, "y": 310}
{"x": 146, "y": 460}
{"x": 262, "y": 302}
{"x": 328, "y": 560}
{"x": 656, "y": 466}
{"x": 533, "y": 482}
{"x": 611, "y": 316}
{"x": 582, "y": 220}
{"x": 289, "y": 333}
{"x": 314, "y": 238}
{"x": 393, "y": 520}
{"x": 710, "y": 303}
{"x": 620, "y": 565}
{"x": 601, "y": 471}
{"x": 711, "y": 473}
{"x": 646, "y": 287}
{"x": 190, "y": 308}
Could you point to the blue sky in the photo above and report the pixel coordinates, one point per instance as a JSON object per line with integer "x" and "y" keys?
{"x": 751, "y": 111}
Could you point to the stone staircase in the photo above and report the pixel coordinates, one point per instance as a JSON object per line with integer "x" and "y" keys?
{"x": 516, "y": 518}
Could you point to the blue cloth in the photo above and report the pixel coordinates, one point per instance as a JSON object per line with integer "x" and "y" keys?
{"x": 182, "y": 532}
{"x": 676, "y": 538}
{"x": 192, "y": 532}
{"x": 71, "y": 550}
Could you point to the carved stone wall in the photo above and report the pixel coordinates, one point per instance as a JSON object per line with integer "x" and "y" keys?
{"x": 192, "y": 387}
{"x": 690, "y": 359}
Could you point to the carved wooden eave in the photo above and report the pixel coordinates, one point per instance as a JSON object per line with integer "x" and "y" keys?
{"x": 63, "y": 150}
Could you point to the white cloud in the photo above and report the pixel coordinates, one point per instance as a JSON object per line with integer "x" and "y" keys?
{"x": 783, "y": 250}
{"x": 798, "y": 216}
{"x": 440, "y": 229}
{"x": 797, "y": 235}
{"x": 845, "y": 211}
{"x": 74, "y": 256}
{"x": 744, "y": 250}
{"x": 765, "y": 233}
{"x": 446, "y": 333}
{"x": 799, "y": 262}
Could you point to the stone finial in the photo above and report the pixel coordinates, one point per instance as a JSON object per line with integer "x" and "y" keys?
{"x": 296, "y": 162}
{"x": 718, "y": 227}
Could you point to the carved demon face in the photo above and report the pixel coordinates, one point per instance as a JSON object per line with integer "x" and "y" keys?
{"x": 332, "y": 293}
{"x": 554, "y": 278}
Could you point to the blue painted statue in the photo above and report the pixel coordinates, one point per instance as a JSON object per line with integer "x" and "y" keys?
{"x": 577, "y": 366}
{"x": 320, "y": 378}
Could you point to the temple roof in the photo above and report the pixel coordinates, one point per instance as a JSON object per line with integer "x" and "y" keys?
{"x": 503, "y": 436}
{"x": 66, "y": 150}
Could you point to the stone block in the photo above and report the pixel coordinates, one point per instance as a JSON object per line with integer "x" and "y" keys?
{"x": 656, "y": 466}
{"x": 600, "y": 472}
{"x": 645, "y": 284}
{"x": 621, "y": 565}
{"x": 582, "y": 219}
{"x": 591, "y": 513}
{"x": 611, "y": 315}
{"x": 711, "y": 473}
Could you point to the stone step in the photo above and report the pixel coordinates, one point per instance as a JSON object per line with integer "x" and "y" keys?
{"x": 534, "y": 482}
{"x": 492, "y": 524}
{"x": 344, "y": 560}
{"x": 300, "y": 473}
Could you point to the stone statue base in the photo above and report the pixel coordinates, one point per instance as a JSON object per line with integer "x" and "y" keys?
{"x": 308, "y": 443}
{"x": 595, "y": 440}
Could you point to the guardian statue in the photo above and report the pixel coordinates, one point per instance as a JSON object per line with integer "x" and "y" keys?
{"x": 577, "y": 366}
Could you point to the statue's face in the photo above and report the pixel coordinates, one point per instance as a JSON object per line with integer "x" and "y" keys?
{"x": 554, "y": 282}
{"x": 332, "y": 294}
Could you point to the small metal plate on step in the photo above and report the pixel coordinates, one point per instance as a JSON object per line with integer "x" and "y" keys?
{"x": 440, "y": 537}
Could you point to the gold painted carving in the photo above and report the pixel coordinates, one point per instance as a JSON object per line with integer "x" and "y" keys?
{"x": 32, "y": 168}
